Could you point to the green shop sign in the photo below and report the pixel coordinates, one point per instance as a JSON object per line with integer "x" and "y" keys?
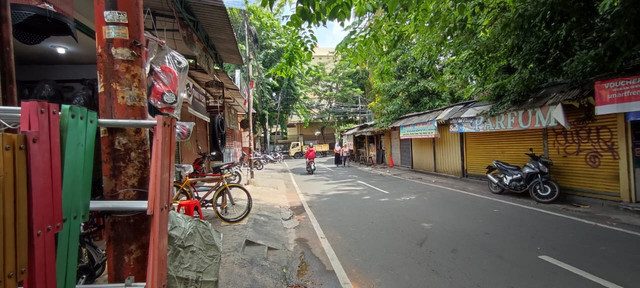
{"x": 420, "y": 130}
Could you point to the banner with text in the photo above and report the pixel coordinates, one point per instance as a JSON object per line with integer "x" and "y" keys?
{"x": 536, "y": 118}
{"x": 617, "y": 95}
{"x": 420, "y": 130}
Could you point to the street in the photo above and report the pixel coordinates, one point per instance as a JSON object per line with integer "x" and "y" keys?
{"x": 392, "y": 232}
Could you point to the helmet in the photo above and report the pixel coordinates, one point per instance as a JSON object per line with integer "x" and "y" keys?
{"x": 310, "y": 145}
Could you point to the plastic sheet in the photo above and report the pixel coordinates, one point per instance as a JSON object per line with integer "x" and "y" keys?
{"x": 193, "y": 253}
{"x": 184, "y": 130}
{"x": 167, "y": 78}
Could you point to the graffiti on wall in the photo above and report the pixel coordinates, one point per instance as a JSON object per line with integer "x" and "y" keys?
{"x": 591, "y": 142}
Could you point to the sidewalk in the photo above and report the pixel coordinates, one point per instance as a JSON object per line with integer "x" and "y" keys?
{"x": 276, "y": 246}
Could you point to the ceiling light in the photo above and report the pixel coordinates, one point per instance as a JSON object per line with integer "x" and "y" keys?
{"x": 60, "y": 49}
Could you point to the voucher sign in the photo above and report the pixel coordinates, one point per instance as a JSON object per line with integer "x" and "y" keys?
{"x": 420, "y": 130}
{"x": 618, "y": 95}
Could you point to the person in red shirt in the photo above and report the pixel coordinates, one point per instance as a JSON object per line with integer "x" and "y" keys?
{"x": 311, "y": 153}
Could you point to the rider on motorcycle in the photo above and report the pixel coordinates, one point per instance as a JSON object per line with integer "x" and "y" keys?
{"x": 310, "y": 154}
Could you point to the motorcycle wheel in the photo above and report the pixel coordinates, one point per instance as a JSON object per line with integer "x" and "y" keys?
{"x": 258, "y": 165}
{"x": 494, "y": 188}
{"x": 236, "y": 177}
{"x": 548, "y": 193}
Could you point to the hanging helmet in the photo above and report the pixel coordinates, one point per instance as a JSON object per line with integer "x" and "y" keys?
{"x": 310, "y": 145}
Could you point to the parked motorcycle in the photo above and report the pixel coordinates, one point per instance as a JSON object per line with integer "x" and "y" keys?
{"x": 92, "y": 261}
{"x": 258, "y": 163}
{"x": 277, "y": 156}
{"x": 225, "y": 168}
{"x": 534, "y": 177}
{"x": 311, "y": 166}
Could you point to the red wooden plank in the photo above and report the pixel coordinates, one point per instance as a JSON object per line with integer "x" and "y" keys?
{"x": 37, "y": 269}
{"x": 25, "y": 114}
{"x": 160, "y": 189}
{"x": 56, "y": 164}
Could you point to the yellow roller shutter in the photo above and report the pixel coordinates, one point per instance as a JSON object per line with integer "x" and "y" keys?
{"x": 448, "y": 157}
{"x": 508, "y": 146}
{"x": 586, "y": 157}
{"x": 423, "y": 154}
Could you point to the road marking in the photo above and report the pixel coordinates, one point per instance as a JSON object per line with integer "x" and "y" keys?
{"x": 523, "y": 206}
{"x": 373, "y": 187}
{"x": 333, "y": 258}
{"x": 582, "y": 273}
{"x": 325, "y": 167}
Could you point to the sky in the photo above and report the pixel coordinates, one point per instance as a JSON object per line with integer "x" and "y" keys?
{"x": 331, "y": 35}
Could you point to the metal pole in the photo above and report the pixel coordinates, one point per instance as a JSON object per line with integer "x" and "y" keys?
{"x": 251, "y": 144}
{"x": 125, "y": 151}
{"x": 7, "y": 65}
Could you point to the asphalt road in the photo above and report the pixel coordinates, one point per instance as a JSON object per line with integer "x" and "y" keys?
{"x": 391, "y": 232}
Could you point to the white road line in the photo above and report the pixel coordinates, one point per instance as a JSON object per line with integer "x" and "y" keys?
{"x": 333, "y": 258}
{"x": 582, "y": 273}
{"x": 325, "y": 167}
{"x": 373, "y": 187}
{"x": 524, "y": 206}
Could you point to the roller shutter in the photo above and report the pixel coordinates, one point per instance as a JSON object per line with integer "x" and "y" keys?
{"x": 586, "y": 157}
{"x": 448, "y": 153}
{"x": 405, "y": 153}
{"x": 395, "y": 146}
{"x": 481, "y": 148}
{"x": 423, "y": 154}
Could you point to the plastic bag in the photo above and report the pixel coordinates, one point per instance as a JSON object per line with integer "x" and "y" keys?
{"x": 184, "y": 130}
{"x": 167, "y": 78}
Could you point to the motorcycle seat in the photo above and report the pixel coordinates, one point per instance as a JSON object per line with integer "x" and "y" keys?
{"x": 214, "y": 167}
{"x": 505, "y": 165}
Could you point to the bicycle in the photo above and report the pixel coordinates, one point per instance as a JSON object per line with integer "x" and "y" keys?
{"x": 231, "y": 202}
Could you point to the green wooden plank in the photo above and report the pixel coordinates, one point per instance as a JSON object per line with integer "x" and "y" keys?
{"x": 73, "y": 133}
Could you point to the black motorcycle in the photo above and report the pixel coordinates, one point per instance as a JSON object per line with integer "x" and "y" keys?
{"x": 92, "y": 261}
{"x": 534, "y": 177}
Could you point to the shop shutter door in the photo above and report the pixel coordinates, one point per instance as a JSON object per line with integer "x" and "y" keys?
{"x": 423, "y": 154}
{"x": 586, "y": 157}
{"x": 481, "y": 148}
{"x": 405, "y": 153}
{"x": 448, "y": 153}
{"x": 395, "y": 147}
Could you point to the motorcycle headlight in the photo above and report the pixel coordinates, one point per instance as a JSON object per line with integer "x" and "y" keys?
{"x": 544, "y": 168}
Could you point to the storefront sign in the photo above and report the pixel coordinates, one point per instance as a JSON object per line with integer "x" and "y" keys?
{"x": 421, "y": 130}
{"x": 618, "y": 95}
{"x": 192, "y": 90}
{"x": 536, "y": 118}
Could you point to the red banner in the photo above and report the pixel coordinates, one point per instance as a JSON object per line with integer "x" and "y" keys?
{"x": 617, "y": 95}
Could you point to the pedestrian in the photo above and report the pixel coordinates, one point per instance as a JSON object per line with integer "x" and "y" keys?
{"x": 345, "y": 155}
{"x": 336, "y": 150}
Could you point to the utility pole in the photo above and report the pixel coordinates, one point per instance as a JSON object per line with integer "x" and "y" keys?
{"x": 250, "y": 96}
{"x": 122, "y": 90}
{"x": 7, "y": 65}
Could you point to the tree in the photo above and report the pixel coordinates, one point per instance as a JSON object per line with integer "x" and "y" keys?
{"x": 422, "y": 54}
{"x": 281, "y": 54}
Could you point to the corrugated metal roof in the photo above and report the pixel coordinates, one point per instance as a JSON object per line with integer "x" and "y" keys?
{"x": 232, "y": 92}
{"x": 421, "y": 118}
{"x": 555, "y": 94}
{"x": 213, "y": 16}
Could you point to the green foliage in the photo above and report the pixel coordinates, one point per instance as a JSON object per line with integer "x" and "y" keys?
{"x": 421, "y": 54}
{"x": 279, "y": 57}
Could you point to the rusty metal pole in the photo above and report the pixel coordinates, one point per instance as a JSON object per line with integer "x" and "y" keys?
{"x": 7, "y": 66}
{"x": 125, "y": 151}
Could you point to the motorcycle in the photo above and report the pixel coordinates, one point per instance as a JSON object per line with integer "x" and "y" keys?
{"x": 258, "y": 163}
{"x": 277, "y": 156}
{"x": 533, "y": 177}
{"x": 225, "y": 168}
{"x": 311, "y": 166}
{"x": 92, "y": 261}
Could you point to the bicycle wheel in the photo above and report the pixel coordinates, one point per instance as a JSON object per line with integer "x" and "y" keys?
{"x": 236, "y": 177}
{"x": 232, "y": 205}
{"x": 180, "y": 193}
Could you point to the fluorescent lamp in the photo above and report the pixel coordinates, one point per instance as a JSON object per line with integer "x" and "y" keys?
{"x": 61, "y": 50}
